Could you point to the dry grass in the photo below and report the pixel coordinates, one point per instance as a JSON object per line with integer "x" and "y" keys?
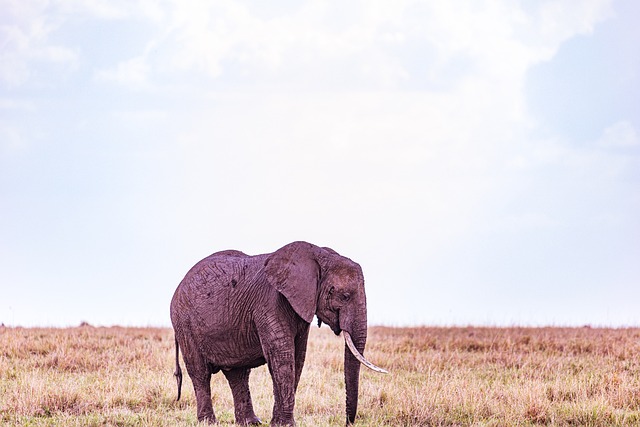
{"x": 439, "y": 377}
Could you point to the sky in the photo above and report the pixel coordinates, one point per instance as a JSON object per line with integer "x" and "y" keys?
{"x": 480, "y": 159}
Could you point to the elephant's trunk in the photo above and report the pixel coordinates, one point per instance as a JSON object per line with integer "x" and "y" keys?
{"x": 355, "y": 338}
{"x": 352, "y": 373}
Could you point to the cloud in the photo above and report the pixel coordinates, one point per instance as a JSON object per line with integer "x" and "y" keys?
{"x": 16, "y": 104}
{"x": 619, "y": 134}
{"x": 398, "y": 132}
{"x": 133, "y": 73}
{"x": 339, "y": 167}
{"x": 29, "y": 30}
{"x": 11, "y": 140}
{"x": 561, "y": 20}
{"x": 432, "y": 161}
{"x": 156, "y": 117}
{"x": 12, "y": 137}
{"x": 309, "y": 45}
{"x": 100, "y": 9}
{"x": 25, "y": 34}
{"x": 430, "y": 91}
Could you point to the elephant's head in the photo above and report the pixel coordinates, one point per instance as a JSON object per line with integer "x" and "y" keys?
{"x": 320, "y": 281}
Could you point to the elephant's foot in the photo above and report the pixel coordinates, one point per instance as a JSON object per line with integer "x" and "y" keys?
{"x": 208, "y": 419}
{"x": 280, "y": 421}
{"x": 246, "y": 416}
{"x": 252, "y": 420}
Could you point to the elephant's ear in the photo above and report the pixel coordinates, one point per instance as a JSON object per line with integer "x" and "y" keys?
{"x": 295, "y": 273}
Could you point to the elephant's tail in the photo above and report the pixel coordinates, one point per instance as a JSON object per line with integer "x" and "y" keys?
{"x": 178, "y": 372}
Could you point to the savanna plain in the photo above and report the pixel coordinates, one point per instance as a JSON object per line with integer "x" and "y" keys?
{"x": 471, "y": 376}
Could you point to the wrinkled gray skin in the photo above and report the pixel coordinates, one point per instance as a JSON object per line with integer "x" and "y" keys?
{"x": 233, "y": 312}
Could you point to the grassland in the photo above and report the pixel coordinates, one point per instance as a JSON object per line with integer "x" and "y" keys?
{"x": 439, "y": 377}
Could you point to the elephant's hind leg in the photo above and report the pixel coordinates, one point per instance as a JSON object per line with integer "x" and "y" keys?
{"x": 200, "y": 374}
{"x": 239, "y": 383}
{"x": 202, "y": 387}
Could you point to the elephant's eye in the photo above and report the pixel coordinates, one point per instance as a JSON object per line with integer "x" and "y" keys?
{"x": 345, "y": 297}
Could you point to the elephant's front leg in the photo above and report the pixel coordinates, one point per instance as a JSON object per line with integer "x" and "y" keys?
{"x": 280, "y": 359}
{"x": 239, "y": 383}
{"x": 300, "y": 352}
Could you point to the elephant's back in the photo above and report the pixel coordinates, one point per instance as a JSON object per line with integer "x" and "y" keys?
{"x": 213, "y": 284}
{"x": 220, "y": 269}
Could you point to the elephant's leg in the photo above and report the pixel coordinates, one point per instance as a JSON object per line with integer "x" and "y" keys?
{"x": 200, "y": 374}
{"x": 301, "y": 353}
{"x": 239, "y": 383}
{"x": 279, "y": 352}
{"x": 202, "y": 387}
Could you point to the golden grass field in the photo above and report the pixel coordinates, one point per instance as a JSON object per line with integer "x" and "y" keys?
{"x": 89, "y": 376}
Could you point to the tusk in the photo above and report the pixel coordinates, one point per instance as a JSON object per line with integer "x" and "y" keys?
{"x": 349, "y": 342}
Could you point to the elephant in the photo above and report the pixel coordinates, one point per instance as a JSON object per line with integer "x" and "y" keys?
{"x": 233, "y": 312}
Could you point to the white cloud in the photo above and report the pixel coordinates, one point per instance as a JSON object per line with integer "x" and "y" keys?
{"x": 142, "y": 116}
{"x": 526, "y": 221}
{"x": 620, "y": 134}
{"x": 350, "y": 163}
{"x": 561, "y": 20}
{"x": 27, "y": 31}
{"x": 378, "y": 46}
{"x": 433, "y": 160}
{"x": 312, "y": 44}
{"x": 11, "y": 140}
{"x": 100, "y": 9}
{"x": 24, "y": 35}
{"x": 377, "y": 126}
{"x": 16, "y": 104}
{"x": 133, "y": 73}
